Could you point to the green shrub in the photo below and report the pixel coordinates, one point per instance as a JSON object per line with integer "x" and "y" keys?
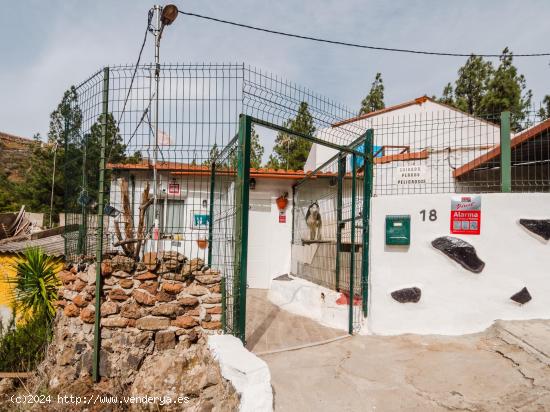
{"x": 35, "y": 284}
{"x": 24, "y": 341}
{"x": 23, "y": 346}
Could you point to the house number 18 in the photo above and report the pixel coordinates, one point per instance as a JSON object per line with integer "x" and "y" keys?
{"x": 432, "y": 215}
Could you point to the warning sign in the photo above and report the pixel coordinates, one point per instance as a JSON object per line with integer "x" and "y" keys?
{"x": 174, "y": 189}
{"x": 410, "y": 175}
{"x": 466, "y": 215}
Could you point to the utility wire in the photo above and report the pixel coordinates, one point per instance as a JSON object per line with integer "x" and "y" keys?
{"x": 147, "y": 29}
{"x": 362, "y": 46}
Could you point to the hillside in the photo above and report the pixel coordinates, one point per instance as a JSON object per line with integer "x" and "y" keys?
{"x": 14, "y": 154}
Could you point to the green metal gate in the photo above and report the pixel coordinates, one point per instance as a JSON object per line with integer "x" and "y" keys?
{"x": 229, "y": 210}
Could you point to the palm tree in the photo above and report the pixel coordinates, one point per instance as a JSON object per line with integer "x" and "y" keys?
{"x": 35, "y": 284}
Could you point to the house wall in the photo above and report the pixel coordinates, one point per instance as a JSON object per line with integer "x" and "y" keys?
{"x": 6, "y": 296}
{"x": 454, "y": 300}
{"x": 451, "y": 137}
{"x": 269, "y": 240}
{"x": 193, "y": 191}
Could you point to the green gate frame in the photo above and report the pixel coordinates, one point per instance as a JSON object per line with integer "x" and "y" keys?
{"x": 242, "y": 203}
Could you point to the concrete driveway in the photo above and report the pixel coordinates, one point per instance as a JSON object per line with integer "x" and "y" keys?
{"x": 505, "y": 368}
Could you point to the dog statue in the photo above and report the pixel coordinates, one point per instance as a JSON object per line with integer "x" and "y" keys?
{"x": 313, "y": 221}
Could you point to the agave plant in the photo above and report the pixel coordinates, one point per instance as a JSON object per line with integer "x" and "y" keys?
{"x": 35, "y": 284}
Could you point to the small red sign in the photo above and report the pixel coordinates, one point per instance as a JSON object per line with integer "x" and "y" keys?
{"x": 282, "y": 217}
{"x": 174, "y": 189}
{"x": 466, "y": 215}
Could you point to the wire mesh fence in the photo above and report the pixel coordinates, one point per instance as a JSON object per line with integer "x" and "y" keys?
{"x": 428, "y": 147}
{"x": 166, "y": 156}
{"x": 223, "y": 234}
{"x": 198, "y": 111}
{"x": 328, "y": 246}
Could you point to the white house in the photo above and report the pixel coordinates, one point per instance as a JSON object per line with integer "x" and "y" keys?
{"x": 417, "y": 145}
{"x": 184, "y": 204}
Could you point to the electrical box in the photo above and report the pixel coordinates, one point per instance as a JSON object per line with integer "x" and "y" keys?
{"x": 398, "y": 230}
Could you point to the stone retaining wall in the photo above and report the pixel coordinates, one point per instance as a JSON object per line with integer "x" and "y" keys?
{"x": 152, "y": 312}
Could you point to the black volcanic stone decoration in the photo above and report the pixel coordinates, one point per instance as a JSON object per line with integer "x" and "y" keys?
{"x": 459, "y": 251}
{"x": 538, "y": 227}
{"x": 523, "y": 296}
{"x": 407, "y": 295}
{"x": 284, "y": 277}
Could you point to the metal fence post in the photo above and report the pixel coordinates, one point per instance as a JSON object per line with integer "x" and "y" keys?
{"x": 339, "y": 194}
{"x": 505, "y": 154}
{"x": 83, "y": 229}
{"x": 211, "y": 212}
{"x": 367, "y": 193}
{"x": 352, "y": 241}
{"x": 243, "y": 182}
{"x": 99, "y": 239}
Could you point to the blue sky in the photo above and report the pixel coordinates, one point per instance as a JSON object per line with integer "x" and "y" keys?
{"x": 48, "y": 45}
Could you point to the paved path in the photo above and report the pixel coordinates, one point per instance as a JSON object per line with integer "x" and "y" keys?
{"x": 269, "y": 327}
{"x": 481, "y": 372}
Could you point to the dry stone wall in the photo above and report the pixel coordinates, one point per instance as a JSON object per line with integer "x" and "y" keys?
{"x": 155, "y": 318}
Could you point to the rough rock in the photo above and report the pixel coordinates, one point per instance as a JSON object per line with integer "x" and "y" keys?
{"x": 540, "y": 227}
{"x": 460, "y": 251}
{"x": 150, "y": 286}
{"x": 196, "y": 290}
{"x": 121, "y": 274}
{"x": 144, "y": 297}
{"x": 192, "y": 373}
{"x": 150, "y": 261}
{"x": 405, "y": 295}
{"x": 88, "y": 276}
{"x": 88, "y": 314}
{"x": 122, "y": 263}
{"x": 162, "y": 296}
{"x": 172, "y": 288}
{"x": 131, "y": 311}
{"x": 79, "y": 285}
{"x": 153, "y": 323}
{"x": 80, "y": 301}
{"x": 66, "y": 277}
{"x": 523, "y": 296}
{"x": 208, "y": 279}
{"x": 109, "y": 308}
{"x": 192, "y": 266}
{"x": 189, "y": 301}
{"x": 165, "y": 339}
{"x": 146, "y": 276}
{"x": 71, "y": 310}
{"x": 215, "y": 288}
{"x": 216, "y": 310}
{"x": 170, "y": 310}
{"x": 215, "y": 324}
{"x": 114, "y": 322}
{"x": 126, "y": 283}
{"x": 106, "y": 267}
{"x": 118, "y": 294}
{"x": 185, "y": 322}
{"x": 214, "y": 298}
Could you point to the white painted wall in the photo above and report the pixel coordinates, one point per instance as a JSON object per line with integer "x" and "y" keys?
{"x": 312, "y": 301}
{"x": 427, "y": 126}
{"x": 249, "y": 375}
{"x": 455, "y": 301}
{"x": 269, "y": 242}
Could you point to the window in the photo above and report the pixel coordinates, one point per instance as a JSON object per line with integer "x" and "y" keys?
{"x": 175, "y": 216}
